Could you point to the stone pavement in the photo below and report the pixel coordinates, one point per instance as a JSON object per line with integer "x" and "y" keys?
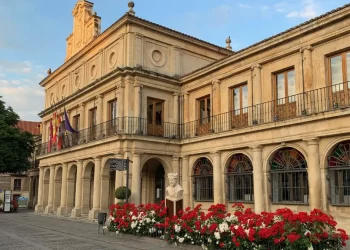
{"x": 29, "y": 231}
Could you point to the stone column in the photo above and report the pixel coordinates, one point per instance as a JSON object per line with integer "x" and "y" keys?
{"x": 118, "y": 176}
{"x": 186, "y": 182}
{"x": 218, "y": 192}
{"x": 97, "y": 189}
{"x": 216, "y": 98}
{"x": 176, "y": 108}
{"x": 99, "y": 117}
{"x": 49, "y": 207}
{"x": 137, "y": 107}
{"x": 76, "y": 212}
{"x": 314, "y": 173}
{"x": 120, "y": 106}
{"x": 255, "y": 114}
{"x": 39, "y": 206}
{"x": 307, "y": 64}
{"x": 136, "y": 179}
{"x": 186, "y": 128}
{"x": 258, "y": 179}
{"x": 63, "y": 206}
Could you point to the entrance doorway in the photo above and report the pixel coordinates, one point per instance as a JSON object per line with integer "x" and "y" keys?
{"x": 153, "y": 182}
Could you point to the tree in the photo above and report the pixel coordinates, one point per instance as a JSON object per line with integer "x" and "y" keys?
{"x": 16, "y": 146}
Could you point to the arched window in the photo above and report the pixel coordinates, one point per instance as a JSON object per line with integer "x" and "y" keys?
{"x": 339, "y": 174}
{"x": 203, "y": 180}
{"x": 240, "y": 179}
{"x": 289, "y": 179}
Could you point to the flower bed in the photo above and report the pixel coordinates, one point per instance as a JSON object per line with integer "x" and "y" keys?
{"x": 218, "y": 229}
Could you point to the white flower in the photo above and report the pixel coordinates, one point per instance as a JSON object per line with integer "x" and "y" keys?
{"x": 209, "y": 240}
{"x": 277, "y": 218}
{"x": 217, "y": 235}
{"x": 177, "y": 228}
{"x": 223, "y": 227}
{"x": 181, "y": 240}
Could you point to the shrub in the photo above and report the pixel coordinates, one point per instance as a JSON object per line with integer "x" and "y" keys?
{"x": 120, "y": 193}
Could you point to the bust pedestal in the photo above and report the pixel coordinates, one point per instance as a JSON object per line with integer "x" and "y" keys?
{"x": 174, "y": 206}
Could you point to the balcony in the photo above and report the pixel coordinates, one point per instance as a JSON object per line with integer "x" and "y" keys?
{"x": 300, "y": 105}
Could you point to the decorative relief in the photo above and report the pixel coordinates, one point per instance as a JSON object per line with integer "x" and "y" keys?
{"x": 93, "y": 71}
{"x": 77, "y": 81}
{"x": 63, "y": 91}
{"x": 112, "y": 59}
{"x": 157, "y": 57}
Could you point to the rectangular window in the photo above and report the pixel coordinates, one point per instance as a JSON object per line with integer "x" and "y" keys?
{"x": 76, "y": 122}
{"x": 340, "y": 71}
{"x": 17, "y": 185}
{"x": 239, "y": 106}
{"x": 113, "y": 112}
{"x": 204, "y": 110}
{"x": 155, "y": 117}
{"x": 92, "y": 117}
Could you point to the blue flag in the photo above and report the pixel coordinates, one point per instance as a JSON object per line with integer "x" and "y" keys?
{"x": 67, "y": 124}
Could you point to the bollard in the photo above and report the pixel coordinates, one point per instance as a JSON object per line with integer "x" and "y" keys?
{"x": 101, "y": 219}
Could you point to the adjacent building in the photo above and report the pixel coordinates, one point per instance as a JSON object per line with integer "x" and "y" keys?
{"x": 266, "y": 126}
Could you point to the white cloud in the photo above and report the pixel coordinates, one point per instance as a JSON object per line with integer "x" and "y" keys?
{"x": 307, "y": 11}
{"x": 16, "y": 67}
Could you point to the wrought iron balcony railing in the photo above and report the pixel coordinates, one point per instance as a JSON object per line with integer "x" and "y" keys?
{"x": 299, "y": 105}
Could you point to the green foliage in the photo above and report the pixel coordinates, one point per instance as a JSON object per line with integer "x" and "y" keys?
{"x": 16, "y": 146}
{"x": 120, "y": 193}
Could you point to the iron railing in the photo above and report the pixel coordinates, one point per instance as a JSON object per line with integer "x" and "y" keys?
{"x": 300, "y": 105}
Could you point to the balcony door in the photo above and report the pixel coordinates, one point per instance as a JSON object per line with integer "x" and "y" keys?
{"x": 285, "y": 104}
{"x": 203, "y": 111}
{"x": 112, "y": 126}
{"x": 340, "y": 79}
{"x": 239, "y": 106}
{"x": 155, "y": 117}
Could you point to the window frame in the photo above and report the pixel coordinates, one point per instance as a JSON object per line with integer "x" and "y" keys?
{"x": 17, "y": 187}
{"x": 154, "y": 120}
{"x": 206, "y": 119}
{"x": 288, "y": 98}
{"x": 203, "y": 179}
{"x": 343, "y": 68}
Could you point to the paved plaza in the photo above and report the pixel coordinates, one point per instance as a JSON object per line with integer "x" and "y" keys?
{"x": 29, "y": 231}
{"x": 26, "y": 230}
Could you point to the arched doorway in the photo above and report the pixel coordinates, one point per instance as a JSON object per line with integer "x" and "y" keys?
{"x": 289, "y": 177}
{"x": 88, "y": 188}
{"x": 153, "y": 182}
{"x": 71, "y": 187}
{"x": 108, "y": 186}
{"x": 339, "y": 174}
{"x": 46, "y": 184}
{"x": 57, "y": 189}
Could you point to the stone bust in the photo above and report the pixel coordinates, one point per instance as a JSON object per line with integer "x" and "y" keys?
{"x": 174, "y": 191}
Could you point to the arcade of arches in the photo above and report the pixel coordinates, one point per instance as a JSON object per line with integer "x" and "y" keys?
{"x": 289, "y": 176}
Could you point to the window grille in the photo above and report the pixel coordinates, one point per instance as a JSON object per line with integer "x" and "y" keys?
{"x": 240, "y": 179}
{"x": 289, "y": 178}
{"x": 203, "y": 180}
{"x": 339, "y": 174}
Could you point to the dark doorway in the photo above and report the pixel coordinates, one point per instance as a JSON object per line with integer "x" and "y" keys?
{"x": 159, "y": 184}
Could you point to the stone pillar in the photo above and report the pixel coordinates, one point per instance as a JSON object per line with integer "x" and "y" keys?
{"x": 136, "y": 179}
{"x": 39, "y": 206}
{"x": 258, "y": 179}
{"x": 218, "y": 192}
{"x": 314, "y": 173}
{"x": 307, "y": 64}
{"x": 49, "y": 207}
{"x": 137, "y": 107}
{"x": 99, "y": 118}
{"x": 176, "y": 109}
{"x": 257, "y": 111}
{"x": 97, "y": 186}
{"x": 118, "y": 176}
{"x": 76, "y": 212}
{"x": 186, "y": 182}
{"x": 186, "y": 128}
{"x": 216, "y": 98}
{"x": 63, "y": 206}
{"x": 120, "y": 106}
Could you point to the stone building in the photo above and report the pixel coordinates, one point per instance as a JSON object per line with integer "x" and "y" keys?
{"x": 266, "y": 126}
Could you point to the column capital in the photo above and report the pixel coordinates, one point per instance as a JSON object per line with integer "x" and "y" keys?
{"x": 185, "y": 157}
{"x": 255, "y": 66}
{"x": 121, "y": 85}
{"x": 52, "y": 166}
{"x": 64, "y": 164}
{"x": 137, "y": 84}
{"x": 97, "y": 158}
{"x": 256, "y": 148}
{"x": 308, "y": 47}
{"x": 175, "y": 157}
{"x": 82, "y": 104}
{"x": 217, "y": 152}
{"x": 99, "y": 96}
{"x": 80, "y": 161}
{"x": 175, "y": 94}
{"x": 215, "y": 81}
{"x": 312, "y": 141}
{"x": 185, "y": 93}
{"x": 137, "y": 154}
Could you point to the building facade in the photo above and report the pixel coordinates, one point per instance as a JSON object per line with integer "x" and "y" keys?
{"x": 266, "y": 126}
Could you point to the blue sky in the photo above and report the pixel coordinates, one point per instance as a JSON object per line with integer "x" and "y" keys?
{"x": 33, "y": 32}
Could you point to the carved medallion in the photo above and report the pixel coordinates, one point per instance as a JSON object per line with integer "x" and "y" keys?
{"x": 93, "y": 71}
{"x": 157, "y": 57}
{"x": 112, "y": 59}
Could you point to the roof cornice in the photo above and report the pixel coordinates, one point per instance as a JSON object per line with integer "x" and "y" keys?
{"x": 292, "y": 33}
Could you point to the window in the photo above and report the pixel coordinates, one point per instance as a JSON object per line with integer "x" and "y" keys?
{"x": 339, "y": 174}
{"x": 17, "y": 185}
{"x": 340, "y": 71}
{"x": 240, "y": 106}
{"x": 289, "y": 179}
{"x": 204, "y": 110}
{"x": 112, "y": 117}
{"x": 240, "y": 179}
{"x": 203, "y": 180}
{"x": 92, "y": 123}
{"x": 155, "y": 117}
{"x": 76, "y": 122}
{"x": 285, "y": 94}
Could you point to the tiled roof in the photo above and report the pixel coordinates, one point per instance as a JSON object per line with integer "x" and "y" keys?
{"x": 272, "y": 37}
{"x": 31, "y": 127}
